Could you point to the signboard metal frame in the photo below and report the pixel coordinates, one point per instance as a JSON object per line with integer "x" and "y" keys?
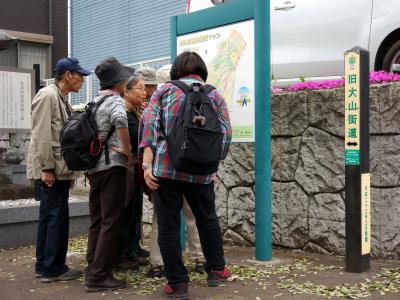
{"x": 231, "y": 13}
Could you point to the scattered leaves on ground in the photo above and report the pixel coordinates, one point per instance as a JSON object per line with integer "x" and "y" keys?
{"x": 387, "y": 281}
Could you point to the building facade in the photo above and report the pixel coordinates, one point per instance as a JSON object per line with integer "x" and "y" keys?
{"x": 40, "y": 29}
{"x": 136, "y": 32}
{"x": 131, "y": 30}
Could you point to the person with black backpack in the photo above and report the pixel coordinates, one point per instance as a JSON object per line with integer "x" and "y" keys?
{"x": 108, "y": 179}
{"x": 186, "y": 132}
{"x": 47, "y": 167}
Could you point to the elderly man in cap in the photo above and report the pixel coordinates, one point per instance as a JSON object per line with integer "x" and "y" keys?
{"x": 47, "y": 167}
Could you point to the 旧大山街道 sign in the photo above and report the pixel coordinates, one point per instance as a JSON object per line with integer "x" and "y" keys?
{"x": 352, "y": 108}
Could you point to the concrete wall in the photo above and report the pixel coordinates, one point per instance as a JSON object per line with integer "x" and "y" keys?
{"x": 18, "y": 225}
{"x": 308, "y": 174}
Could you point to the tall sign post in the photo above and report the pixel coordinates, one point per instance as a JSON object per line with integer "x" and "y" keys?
{"x": 234, "y": 41}
{"x": 357, "y": 173}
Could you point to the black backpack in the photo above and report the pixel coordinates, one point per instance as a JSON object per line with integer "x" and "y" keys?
{"x": 195, "y": 139}
{"x": 81, "y": 146}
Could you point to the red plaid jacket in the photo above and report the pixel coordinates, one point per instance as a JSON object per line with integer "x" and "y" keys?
{"x": 171, "y": 97}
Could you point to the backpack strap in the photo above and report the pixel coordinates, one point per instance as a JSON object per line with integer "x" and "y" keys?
{"x": 98, "y": 103}
{"x": 180, "y": 84}
{"x": 106, "y": 150}
{"x": 91, "y": 108}
{"x": 110, "y": 132}
{"x": 207, "y": 88}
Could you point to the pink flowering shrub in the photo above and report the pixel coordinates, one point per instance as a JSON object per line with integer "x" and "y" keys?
{"x": 382, "y": 76}
{"x": 374, "y": 77}
{"x": 276, "y": 90}
{"x": 316, "y": 85}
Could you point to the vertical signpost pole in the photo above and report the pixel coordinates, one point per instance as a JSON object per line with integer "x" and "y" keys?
{"x": 263, "y": 130}
{"x": 358, "y": 213}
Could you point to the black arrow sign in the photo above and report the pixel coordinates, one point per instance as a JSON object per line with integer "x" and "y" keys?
{"x": 352, "y": 144}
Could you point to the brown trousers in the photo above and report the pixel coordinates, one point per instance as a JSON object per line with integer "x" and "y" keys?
{"x": 106, "y": 204}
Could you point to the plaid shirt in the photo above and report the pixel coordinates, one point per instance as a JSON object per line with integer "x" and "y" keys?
{"x": 171, "y": 98}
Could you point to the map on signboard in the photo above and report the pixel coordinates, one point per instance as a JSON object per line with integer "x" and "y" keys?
{"x": 224, "y": 65}
{"x": 228, "y": 52}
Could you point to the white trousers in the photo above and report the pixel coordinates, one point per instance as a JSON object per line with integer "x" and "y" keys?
{"x": 193, "y": 240}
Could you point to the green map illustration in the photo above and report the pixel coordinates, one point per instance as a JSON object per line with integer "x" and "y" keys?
{"x": 223, "y": 67}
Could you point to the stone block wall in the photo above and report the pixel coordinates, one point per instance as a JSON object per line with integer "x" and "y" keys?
{"x": 16, "y": 143}
{"x": 308, "y": 174}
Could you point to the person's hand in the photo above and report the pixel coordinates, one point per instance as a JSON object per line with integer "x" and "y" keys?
{"x": 151, "y": 181}
{"x": 145, "y": 104}
{"x": 48, "y": 178}
{"x": 126, "y": 152}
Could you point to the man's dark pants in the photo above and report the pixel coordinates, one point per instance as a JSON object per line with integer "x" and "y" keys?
{"x": 168, "y": 203}
{"x": 106, "y": 204}
{"x": 52, "y": 237}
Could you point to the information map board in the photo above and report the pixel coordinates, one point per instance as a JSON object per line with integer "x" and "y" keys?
{"x": 228, "y": 52}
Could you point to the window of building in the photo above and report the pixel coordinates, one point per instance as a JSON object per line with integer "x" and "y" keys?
{"x": 34, "y": 53}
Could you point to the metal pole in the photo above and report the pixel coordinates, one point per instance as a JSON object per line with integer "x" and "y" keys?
{"x": 263, "y": 130}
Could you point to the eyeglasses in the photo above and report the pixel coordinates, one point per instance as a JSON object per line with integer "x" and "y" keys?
{"x": 142, "y": 89}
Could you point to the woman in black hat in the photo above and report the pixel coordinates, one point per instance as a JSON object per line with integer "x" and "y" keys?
{"x": 108, "y": 178}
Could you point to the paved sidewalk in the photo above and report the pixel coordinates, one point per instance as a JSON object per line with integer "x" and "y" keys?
{"x": 287, "y": 274}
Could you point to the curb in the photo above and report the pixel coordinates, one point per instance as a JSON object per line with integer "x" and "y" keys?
{"x": 18, "y": 225}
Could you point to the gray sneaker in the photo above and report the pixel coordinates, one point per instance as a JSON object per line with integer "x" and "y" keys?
{"x": 69, "y": 275}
